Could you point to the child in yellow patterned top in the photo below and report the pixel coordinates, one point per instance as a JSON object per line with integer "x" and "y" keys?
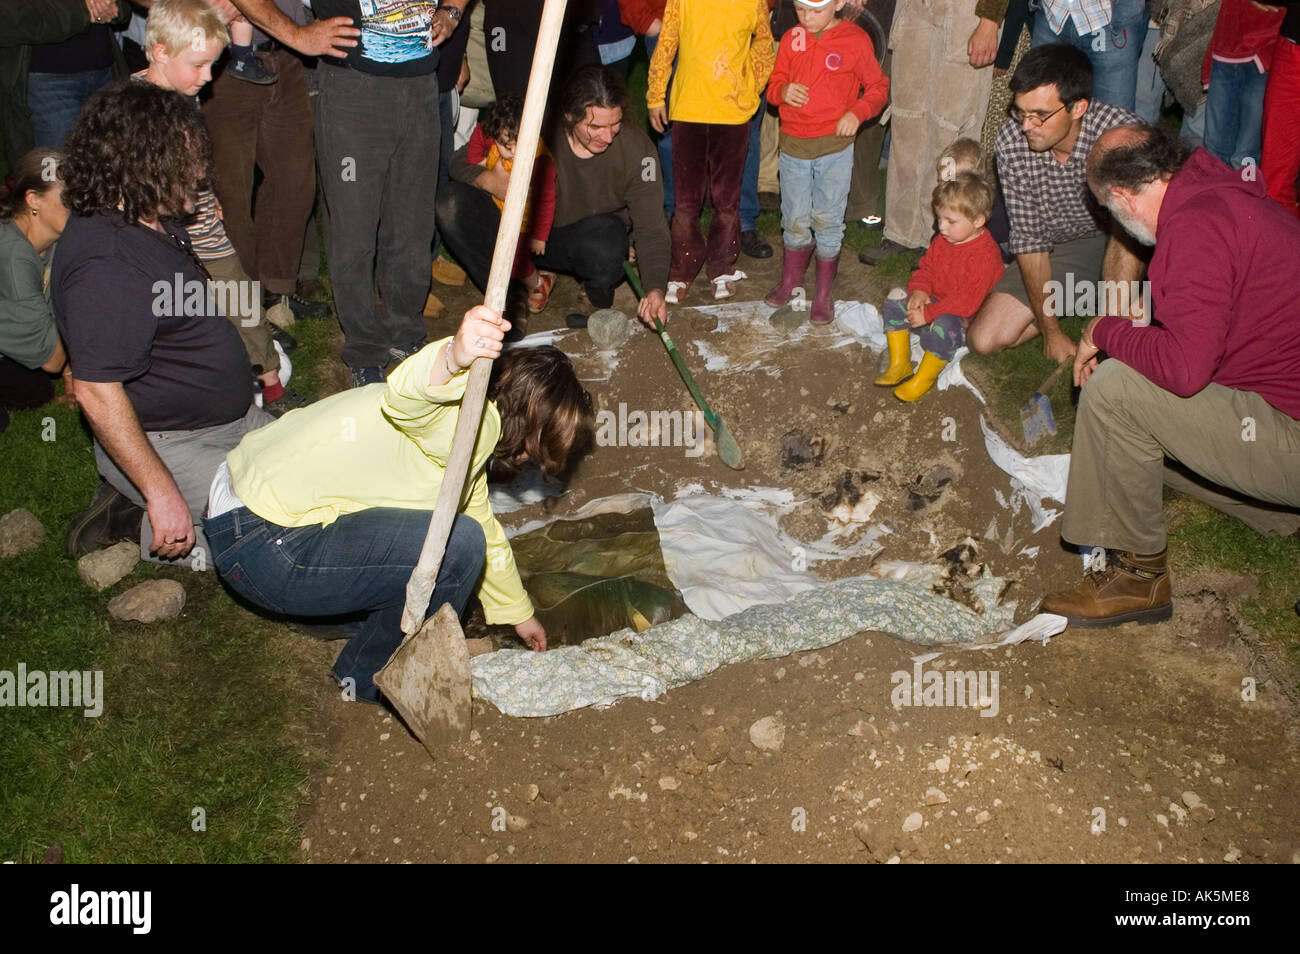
{"x": 724, "y": 55}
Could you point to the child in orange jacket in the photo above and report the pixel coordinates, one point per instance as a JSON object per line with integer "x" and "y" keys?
{"x": 493, "y": 142}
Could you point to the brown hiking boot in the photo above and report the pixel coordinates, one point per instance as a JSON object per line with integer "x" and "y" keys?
{"x": 1130, "y": 589}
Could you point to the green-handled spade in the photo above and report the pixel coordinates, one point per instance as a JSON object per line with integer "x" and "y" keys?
{"x": 728, "y": 449}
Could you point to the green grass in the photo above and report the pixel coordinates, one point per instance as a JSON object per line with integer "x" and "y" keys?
{"x": 197, "y": 710}
{"x": 1202, "y": 538}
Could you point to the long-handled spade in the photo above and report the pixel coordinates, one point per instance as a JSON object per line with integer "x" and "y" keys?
{"x": 428, "y": 678}
{"x": 728, "y": 449}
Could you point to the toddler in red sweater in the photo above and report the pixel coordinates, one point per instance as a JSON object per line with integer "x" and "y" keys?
{"x": 951, "y": 281}
{"x": 826, "y": 82}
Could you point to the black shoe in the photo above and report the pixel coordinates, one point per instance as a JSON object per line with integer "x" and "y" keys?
{"x": 109, "y": 519}
{"x": 286, "y": 402}
{"x": 363, "y": 375}
{"x": 886, "y": 249}
{"x": 575, "y": 320}
{"x": 288, "y": 343}
{"x": 753, "y": 245}
{"x": 251, "y": 69}
{"x": 404, "y": 352}
{"x": 301, "y": 307}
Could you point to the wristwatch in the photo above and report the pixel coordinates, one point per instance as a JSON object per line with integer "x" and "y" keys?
{"x": 453, "y": 12}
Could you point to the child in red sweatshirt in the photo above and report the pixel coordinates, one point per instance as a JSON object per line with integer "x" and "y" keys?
{"x": 493, "y": 142}
{"x": 950, "y": 283}
{"x": 826, "y": 82}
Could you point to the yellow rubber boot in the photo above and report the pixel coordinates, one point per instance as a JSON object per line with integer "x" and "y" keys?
{"x": 922, "y": 381}
{"x": 900, "y": 359}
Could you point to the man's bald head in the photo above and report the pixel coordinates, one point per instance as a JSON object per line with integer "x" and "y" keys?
{"x": 1132, "y": 157}
{"x": 1129, "y": 168}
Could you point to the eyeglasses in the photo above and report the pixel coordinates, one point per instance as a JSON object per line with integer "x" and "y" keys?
{"x": 1035, "y": 119}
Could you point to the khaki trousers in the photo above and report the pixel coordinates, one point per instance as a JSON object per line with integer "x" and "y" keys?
{"x": 241, "y": 301}
{"x": 1243, "y": 456}
{"x": 936, "y": 98}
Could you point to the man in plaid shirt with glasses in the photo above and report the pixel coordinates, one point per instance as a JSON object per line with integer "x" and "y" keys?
{"x": 1058, "y": 231}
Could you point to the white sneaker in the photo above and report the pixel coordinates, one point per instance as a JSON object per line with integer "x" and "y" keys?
{"x": 676, "y": 291}
{"x": 724, "y": 286}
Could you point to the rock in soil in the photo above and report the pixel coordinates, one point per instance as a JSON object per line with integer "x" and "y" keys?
{"x": 767, "y": 734}
{"x": 149, "y": 602}
{"x": 102, "y": 568}
{"x": 712, "y": 746}
{"x": 609, "y": 329}
{"x": 20, "y": 531}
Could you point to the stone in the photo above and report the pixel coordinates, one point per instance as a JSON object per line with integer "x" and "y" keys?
{"x": 768, "y": 734}
{"x": 787, "y": 318}
{"x": 669, "y": 784}
{"x": 532, "y": 792}
{"x": 913, "y": 822}
{"x": 863, "y": 831}
{"x": 20, "y": 531}
{"x": 516, "y": 823}
{"x": 942, "y": 764}
{"x": 934, "y": 796}
{"x": 149, "y": 602}
{"x": 548, "y": 789}
{"x": 1192, "y": 801}
{"x": 608, "y": 328}
{"x": 982, "y": 818}
{"x": 100, "y": 569}
{"x": 711, "y": 746}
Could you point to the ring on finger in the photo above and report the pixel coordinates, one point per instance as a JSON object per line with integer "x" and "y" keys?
{"x": 479, "y": 342}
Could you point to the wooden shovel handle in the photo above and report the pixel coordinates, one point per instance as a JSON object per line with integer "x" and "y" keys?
{"x": 419, "y": 589}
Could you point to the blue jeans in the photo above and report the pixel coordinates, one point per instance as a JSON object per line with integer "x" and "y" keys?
{"x": 1234, "y": 112}
{"x": 665, "y": 141}
{"x": 814, "y": 193}
{"x": 749, "y": 178}
{"x": 941, "y": 337}
{"x": 1115, "y": 64}
{"x": 358, "y": 564}
{"x": 55, "y": 99}
{"x": 1150, "y": 84}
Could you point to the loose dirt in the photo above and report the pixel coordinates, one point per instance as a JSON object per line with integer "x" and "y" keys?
{"x": 1163, "y": 743}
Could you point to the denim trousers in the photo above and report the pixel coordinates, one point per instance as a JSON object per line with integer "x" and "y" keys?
{"x": 55, "y": 99}
{"x": 377, "y": 141}
{"x": 1234, "y": 112}
{"x": 941, "y": 337}
{"x": 592, "y": 250}
{"x": 1114, "y": 50}
{"x": 360, "y": 563}
{"x": 814, "y": 194}
{"x": 1150, "y": 84}
{"x": 664, "y": 140}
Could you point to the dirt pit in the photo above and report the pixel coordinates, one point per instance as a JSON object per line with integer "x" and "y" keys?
{"x": 1162, "y": 743}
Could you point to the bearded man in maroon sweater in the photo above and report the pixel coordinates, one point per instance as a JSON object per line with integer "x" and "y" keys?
{"x": 1207, "y": 397}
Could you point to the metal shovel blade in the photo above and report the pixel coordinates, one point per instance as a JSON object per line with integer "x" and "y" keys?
{"x": 728, "y": 449}
{"x": 428, "y": 682}
{"x": 1036, "y": 419}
